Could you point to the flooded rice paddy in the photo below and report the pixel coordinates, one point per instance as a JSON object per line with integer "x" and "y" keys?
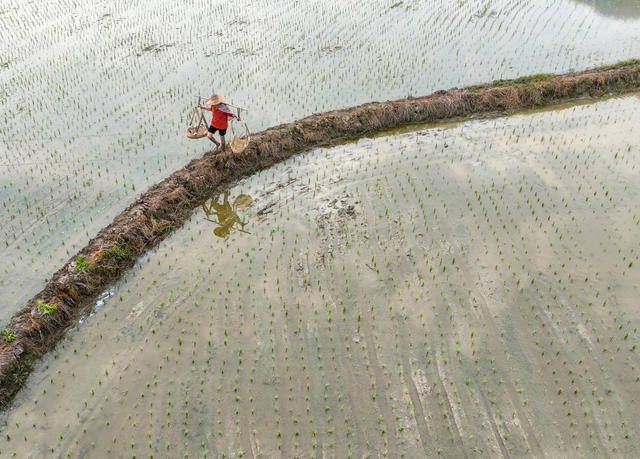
{"x": 456, "y": 290}
{"x": 95, "y": 96}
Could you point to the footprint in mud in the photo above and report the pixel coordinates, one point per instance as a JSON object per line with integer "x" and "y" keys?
{"x": 136, "y": 311}
{"x": 154, "y": 48}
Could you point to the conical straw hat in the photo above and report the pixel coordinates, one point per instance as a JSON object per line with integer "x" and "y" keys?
{"x": 215, "y": 99}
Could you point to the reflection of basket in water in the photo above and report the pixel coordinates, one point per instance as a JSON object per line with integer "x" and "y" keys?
{"x": 241, "y": 136}
{"x": 199, "y": 130}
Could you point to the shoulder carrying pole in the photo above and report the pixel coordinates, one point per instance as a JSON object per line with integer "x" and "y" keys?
{"x": 230, "y": 105}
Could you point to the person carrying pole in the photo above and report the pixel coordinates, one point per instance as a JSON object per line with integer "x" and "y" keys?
{"x": 219, "y": 120}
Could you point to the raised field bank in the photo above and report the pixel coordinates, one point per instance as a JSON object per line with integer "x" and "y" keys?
{"x": 429, "y": 247}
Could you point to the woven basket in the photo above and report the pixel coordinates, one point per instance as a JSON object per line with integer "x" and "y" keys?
{"x": 241, "y": 137}
{"x": 199, "y": 130}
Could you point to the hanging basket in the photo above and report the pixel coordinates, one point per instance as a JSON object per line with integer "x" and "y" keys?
{"x": 241, "y": 136}
{"x": 197, "y": 131}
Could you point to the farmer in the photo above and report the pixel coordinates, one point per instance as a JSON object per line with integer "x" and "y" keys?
{"x": 219, "y": 121}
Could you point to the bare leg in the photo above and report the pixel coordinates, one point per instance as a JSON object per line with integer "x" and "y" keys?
{"x": 224, "y": 145}
{"x": 210, "y": 137}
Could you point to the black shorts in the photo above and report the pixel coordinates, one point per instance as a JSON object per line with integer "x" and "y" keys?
{"x": 214, "y": 129}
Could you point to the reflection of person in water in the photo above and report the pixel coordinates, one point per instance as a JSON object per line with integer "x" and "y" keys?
{"x": 226, "y": 214}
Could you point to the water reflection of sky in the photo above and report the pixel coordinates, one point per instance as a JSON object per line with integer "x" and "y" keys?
{"x": 619, "y": 9}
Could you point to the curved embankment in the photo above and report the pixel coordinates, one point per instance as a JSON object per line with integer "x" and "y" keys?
{"x": 34, "y": 329}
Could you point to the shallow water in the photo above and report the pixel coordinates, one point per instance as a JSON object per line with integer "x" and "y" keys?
{"x": 95, "y": 96}
{"x": 467, "y": 289}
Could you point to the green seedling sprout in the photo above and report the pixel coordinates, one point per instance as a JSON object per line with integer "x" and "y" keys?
{"x": 81, "y": 263}
{"x": 46, "y": 308}
{"x": 8, "y": 335}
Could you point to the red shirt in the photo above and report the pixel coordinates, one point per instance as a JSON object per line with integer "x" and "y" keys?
{"x": 219, "y": 118}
